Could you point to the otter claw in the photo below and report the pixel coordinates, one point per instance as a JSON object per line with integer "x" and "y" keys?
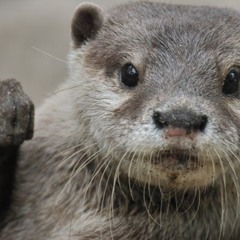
{"x": 16, "y": 114}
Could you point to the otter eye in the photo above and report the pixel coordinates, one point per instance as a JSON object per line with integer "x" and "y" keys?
{"x": 129, "y": 75}
{"x": 231, "y": 83}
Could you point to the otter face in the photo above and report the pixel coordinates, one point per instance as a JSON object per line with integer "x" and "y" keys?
{"x": 160, "y": 89}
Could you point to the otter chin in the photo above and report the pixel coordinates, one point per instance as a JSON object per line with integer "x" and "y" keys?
{"x": 174, "y": 169}
{"x": 142, "y": 141}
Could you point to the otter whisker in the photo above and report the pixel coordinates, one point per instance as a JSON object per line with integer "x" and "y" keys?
{"x": 129, "y": 171}
{"x": 192, "y": 202}
{"x": 127, "y": 156}
{"x": 89, "y": 159}
{"x": 223, "y": 194}
{"x": 149, "y": 176}
{"x": 106, "y": 168}
{"x": 235, "y": 180}
{"x": 111, "y": 210}
{"x": 74, "y": 154}
{"x": 50, "y": 55}
{"x": 197, "y": 193}
{"x": 148, "y": 206}
{"x": 178, "y": 206}
{"x": 230, "y": 142}
{"x": 213, "y": 166}
{"x": 76, "y": 146}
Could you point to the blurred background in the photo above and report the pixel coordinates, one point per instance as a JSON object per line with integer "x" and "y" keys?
{"x": 35, "y": 36}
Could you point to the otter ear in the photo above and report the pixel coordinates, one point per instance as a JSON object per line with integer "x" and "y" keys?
{"x": 87, "y": 21}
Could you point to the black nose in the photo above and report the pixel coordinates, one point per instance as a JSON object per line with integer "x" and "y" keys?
{"x": 180, "y": 118}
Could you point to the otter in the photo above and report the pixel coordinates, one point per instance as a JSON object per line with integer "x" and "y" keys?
{"x": 142, "y": 141}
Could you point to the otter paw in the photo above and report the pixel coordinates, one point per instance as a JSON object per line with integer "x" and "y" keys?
{"x": 16, "y": 114}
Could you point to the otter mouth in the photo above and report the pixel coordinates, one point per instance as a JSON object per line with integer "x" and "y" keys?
{"x": 173, "y": 168}
{"x": 175, "y": 158}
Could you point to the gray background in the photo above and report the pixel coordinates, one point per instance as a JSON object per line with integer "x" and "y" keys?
{"x": 32, "y": 30}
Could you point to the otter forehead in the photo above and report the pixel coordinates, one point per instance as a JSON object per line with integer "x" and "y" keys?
{"x": 160, "y": 32}
{"x": 177, "y": 22}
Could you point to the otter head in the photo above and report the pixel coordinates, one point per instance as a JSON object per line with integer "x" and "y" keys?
{"x": 159, "y": 88}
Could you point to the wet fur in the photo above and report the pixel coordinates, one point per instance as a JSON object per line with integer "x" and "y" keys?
{"x": 79, "y": 177}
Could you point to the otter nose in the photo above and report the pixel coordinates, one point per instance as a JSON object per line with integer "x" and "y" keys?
{"x": 181, "y": 119}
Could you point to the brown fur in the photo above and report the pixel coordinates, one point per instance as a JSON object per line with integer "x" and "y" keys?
{"x": 93, "y": 169}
